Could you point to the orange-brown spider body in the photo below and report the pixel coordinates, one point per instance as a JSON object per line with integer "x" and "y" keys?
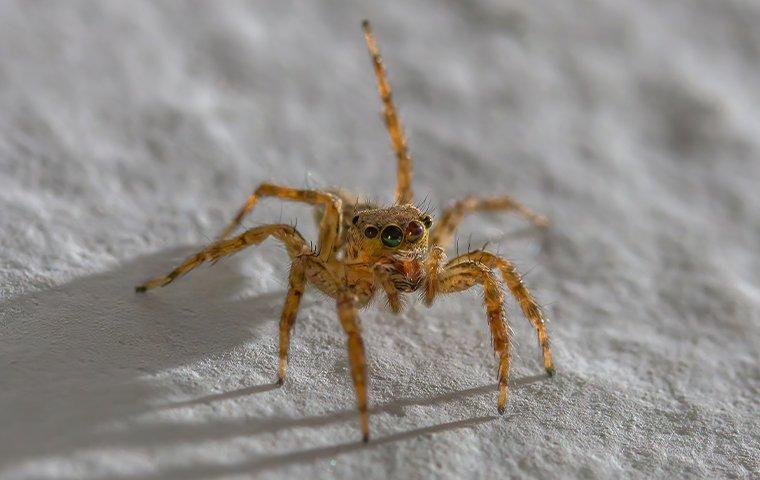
{"x": 364, "y": 250}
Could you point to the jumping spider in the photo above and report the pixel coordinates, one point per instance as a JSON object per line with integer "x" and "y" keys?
{"x": 363, "y": 247}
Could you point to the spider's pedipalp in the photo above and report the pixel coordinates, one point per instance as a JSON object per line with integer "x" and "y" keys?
{"x": 394, "y": 300}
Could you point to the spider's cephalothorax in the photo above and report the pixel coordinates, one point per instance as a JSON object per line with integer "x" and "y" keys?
{"x": 363, "y": 250}
{"x": 392, "y": 243}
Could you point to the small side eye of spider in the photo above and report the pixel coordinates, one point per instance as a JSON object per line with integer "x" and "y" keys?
{"x": 414, "y": 231}
{"x": 371, "y": 231}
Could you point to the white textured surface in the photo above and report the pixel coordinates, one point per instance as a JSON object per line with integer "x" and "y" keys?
{"x": 131, "y": 131}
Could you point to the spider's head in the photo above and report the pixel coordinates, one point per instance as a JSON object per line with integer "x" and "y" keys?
{"x": 394, "y": 238}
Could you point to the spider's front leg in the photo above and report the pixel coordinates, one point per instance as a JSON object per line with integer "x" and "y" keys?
{"x": 461, "y": 276}
{"x": 392, "y": 122}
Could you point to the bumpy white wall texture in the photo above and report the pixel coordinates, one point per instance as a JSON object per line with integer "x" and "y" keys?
{"x": 130, "y": 132}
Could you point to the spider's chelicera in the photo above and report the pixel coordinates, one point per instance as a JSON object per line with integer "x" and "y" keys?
{"x": 364, "y": 250}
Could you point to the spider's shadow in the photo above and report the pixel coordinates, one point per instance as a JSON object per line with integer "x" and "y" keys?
{"x": 267, "y": 462}
{"x": 85, "y": 355}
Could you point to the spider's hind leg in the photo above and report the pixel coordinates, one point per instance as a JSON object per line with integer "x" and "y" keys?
{"x": 351, "y": 205}
{"x": 444, "y": 229}
{"x": 287, "y": 234}
{"x": 329, "y": 228}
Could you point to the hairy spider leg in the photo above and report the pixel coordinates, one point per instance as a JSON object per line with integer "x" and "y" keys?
{"x": 530, "y": 308}
{"x": 463, "y": 274}
{"x": 392, "y": 122}
{"x": 444, "y": 229}
{"x": 287, "y": 234}
{"x": 349, "y": 320}
{"x": 296, "y": 287}
{"x": 330, "y": 225}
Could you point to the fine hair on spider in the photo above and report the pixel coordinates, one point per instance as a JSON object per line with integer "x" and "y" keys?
{"x": 364, "y": 251}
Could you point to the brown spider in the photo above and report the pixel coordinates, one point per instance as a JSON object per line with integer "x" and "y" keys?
{"x": 362, "y": 247}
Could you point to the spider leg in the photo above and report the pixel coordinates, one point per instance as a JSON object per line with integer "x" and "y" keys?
{"x": 351, "y": 293}
{"x": 326, "y": 276}
{"x": 296, "y": 286}
{"x": 443, "y": 231}
{"x": 392, "y": 122}
{"x": 463, "y": 275}
{"x": 306, "y": 267}
{"x": 351, "y": 205}
{"x": 528, "y": 304}
{"x": 288, "y": 235}
{"x": 349, "y": 320}
{"x": 329, "y": 227}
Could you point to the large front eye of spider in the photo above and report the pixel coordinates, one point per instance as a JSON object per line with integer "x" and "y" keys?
{"x": 392, "y": 236}
{"x": 414, "y": 231}
{"x": 370, "y": 231}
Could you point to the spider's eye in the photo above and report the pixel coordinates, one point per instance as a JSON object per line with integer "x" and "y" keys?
{"x": 392, "y": 236}
{"x": 414, "y": 230}
{"x": 427, "y": 221}
{"x": 370, "y": 232}
{"x": 355, "y": 220}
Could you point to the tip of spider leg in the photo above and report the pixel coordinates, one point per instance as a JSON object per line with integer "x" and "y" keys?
{"x": 542, "y": 222}
{"x": 365, "y": 23}
{"x": 141, "y": 289}
{"x": 280, "y": 381}
{"x": 550, "y": 371}
{"x": 501, "y": 409}
{"x": 365, "y": 438}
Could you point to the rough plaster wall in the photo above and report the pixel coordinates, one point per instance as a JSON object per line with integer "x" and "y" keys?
{"x": 131, "y": 131}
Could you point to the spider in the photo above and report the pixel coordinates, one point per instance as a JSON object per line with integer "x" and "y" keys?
{"x": 363, "y": 248}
